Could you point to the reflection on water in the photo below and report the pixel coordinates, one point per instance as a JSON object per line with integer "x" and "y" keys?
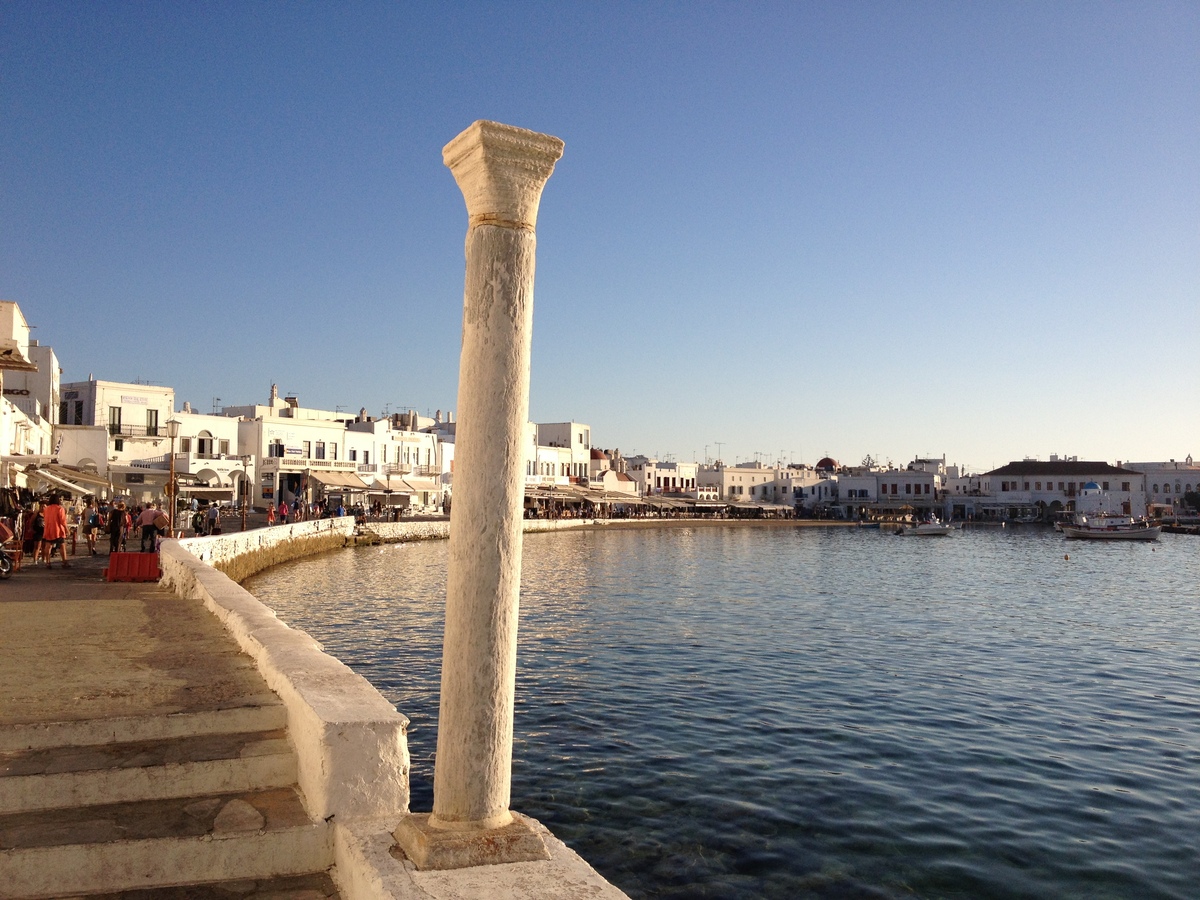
{"x": 759, "y": 712}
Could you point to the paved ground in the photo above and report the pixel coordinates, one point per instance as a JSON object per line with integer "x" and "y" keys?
{"x": 75, "y": 647}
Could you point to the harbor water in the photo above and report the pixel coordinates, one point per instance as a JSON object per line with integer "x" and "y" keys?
{"x": 744, "y": 712}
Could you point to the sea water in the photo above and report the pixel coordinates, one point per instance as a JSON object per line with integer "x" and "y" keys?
{"x": 741, "y": 711}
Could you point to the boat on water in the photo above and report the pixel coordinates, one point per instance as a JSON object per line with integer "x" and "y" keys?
{"x": 1110, "y": 527}
{"x": 932, "y": 528}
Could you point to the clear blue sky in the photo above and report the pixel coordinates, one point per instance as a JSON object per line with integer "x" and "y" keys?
{"x": 800, "y": 228}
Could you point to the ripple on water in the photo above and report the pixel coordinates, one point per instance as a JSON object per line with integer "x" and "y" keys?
{"x": 742, "y": 712}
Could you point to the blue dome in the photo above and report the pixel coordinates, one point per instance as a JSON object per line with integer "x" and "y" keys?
{"x": 1091, "y": 486}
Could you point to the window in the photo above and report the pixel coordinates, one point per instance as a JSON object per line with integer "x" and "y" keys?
{"x": 1037, "y": 485}
{"x": 119, "y": 444}
{"x": 353, "y": 455}
{"x": 1124, "y": 485}
{"x": 152, "y": 423}
{"x": 114, "y": 420}
{"x": 366, "y": 457}
{"x": 185, "y": 445}
{"x": 320, "y": 450}
{"x": 1026, "y": 486}
{"x": 275, "y": 449}
{"x": 908, "y": 488}
{"x": 926, "y": 489}
{"x": 307, "y": 449}
{"x": 1156, "y": 489}
{"x": 333, "y": 451}
{"x": 225, "y": 447}
{"x": 1166, "y": 489}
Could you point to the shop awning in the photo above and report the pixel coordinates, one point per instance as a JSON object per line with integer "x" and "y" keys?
{"x": 391, "y": 483}
{"x": 205, "y": 491}
{"x": 79, "y": 476}
{"x": 339, "y": 480}
{"x": 423, "y": 485}
{"x": 51, "y": 478}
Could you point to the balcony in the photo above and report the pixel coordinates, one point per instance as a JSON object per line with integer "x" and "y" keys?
{"x": 152, "y": 432}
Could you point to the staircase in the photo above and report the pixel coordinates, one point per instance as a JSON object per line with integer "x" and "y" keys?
{"x": 142, "y": 756}
{"x": 147, "y": 808}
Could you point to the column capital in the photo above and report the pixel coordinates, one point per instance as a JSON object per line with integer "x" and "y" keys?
{"x": 501, "y": 170}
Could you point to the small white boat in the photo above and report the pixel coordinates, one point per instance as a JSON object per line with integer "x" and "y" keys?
{"x": 933, "y": 528}
{"x": 1110, "y": 527}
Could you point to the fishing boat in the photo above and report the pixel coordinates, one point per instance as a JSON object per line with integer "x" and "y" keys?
{"x": 932, "y": 528}
{"x": 1110, "y": 527}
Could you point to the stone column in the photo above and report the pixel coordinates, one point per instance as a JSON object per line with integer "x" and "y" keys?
{"x": 501, "y": 171}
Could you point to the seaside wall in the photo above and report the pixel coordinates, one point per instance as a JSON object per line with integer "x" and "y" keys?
{"x": 399, "y": 532}
{"x": 351, "y": 743}
{"x": 241, "y": 554}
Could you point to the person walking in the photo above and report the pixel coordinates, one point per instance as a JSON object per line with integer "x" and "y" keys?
{"x": 283, "y": 512}
{"x": 90, "y": 520}
{"x": 145, "y": 521}
{"x": 270, "y": 514}
{"x": 116, "y": 526}
{"x": 54, "y": 531}
{"x": 214, "y": 518}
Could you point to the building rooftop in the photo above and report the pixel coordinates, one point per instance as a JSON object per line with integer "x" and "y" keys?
{"x": 1069, "y": 467}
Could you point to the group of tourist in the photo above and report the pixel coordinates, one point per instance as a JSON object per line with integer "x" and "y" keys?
{"x": 41, "y": 527}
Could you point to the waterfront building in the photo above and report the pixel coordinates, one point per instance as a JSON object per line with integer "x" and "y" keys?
{"x": 117, "y": 430}
{"x": 306, "y": 454}
{"x": 26, "y": 429}
{"x": 735, "y": 482}
{"x": 1032, "y": 487}
{"x": 402, "y": 468}
{"x": 654, "y": 476}
{"x": 573, "y": 436}
{"x": 1167, "y": 483}
{"x": 36, "y": 393}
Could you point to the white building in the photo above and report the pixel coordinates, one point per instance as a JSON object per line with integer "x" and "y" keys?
{"x": 740, "y": 482}
{"x": 1045, "y": 489}
{"x": 26, "y": 435}
{"x": 572, "y": 436}
{"x": 1167, "y": 483}
{"x": 118, "y": 430}
{"x": 655, "y": 476}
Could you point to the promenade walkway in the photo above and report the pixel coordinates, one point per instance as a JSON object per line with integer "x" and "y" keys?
{"x": 140, "y": 748}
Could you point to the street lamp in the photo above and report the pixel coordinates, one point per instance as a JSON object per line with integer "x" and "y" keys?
{"x": 246, "y": 488}
{"x": 172, "y": 433}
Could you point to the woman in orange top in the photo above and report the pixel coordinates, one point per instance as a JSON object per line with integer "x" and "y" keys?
{"x": 54, "y": 532}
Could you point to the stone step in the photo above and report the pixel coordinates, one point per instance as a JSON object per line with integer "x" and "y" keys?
{"x": 318, "y": 886}
{"x": 260, "y": 712}
{"x": 238, "y": 837}
{"x": 59, "y": 777}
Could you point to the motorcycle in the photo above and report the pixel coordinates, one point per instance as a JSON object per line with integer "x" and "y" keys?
{"x": 6, "y": 564}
